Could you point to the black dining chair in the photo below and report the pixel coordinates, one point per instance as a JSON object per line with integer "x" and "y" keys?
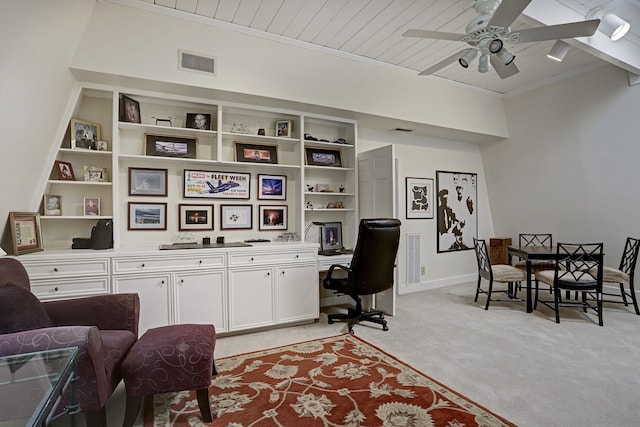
{"x": 536, "y": 239}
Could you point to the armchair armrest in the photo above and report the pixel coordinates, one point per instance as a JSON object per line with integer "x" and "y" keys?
{"x": 116, "y": 311}
{"x": 340, "y": 267}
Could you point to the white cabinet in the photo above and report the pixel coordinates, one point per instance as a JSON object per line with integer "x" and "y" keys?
{"x": 251, "y": 293}
{"x": 200, "y": 297}
{"x": 155, "y": 297}
{"x": 296, "y": 293}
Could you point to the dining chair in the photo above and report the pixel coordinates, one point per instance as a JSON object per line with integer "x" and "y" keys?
{"x": 539, "y": 239}
{"x": 502, "y": 273}
{"x": 578, "y": 268}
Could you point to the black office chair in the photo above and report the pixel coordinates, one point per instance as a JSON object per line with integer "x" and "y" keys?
{"x": 371, "y": 270}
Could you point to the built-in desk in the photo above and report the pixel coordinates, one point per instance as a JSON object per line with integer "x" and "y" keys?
{"x": 328, "y": 297}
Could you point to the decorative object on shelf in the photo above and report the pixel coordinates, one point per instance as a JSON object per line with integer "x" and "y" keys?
{"x": 331, "y": 236}
{"x": 160, "y": 120}
{"x": 322, "y": 157}
{"x": 182, "y": 238}
{"x": 256, "y": 153}
{"x": 200, "y": 121}
{"x": 309, "y": 205}
{"x": 310, "y": 188}
{"x": 52, "y": 205}
{"x": 273, "y": 217}
{"x": 273, "y": 187}
{"x": 236, "y": 217}
{"x": 341, "y": 189}
{"x": 195, "y": 217}
{"x": 84, "y": 135}
{"x": 261, "y": 132}
{"x": 335, "y": 205}
{"x": 288, "y": 237}
{"x": 91, "y": 206}
{"x": 283, "y": 128}
{"x": 25, "y": 231}
{"x": 171, "y": 146}
{"x": 129, "y": 110}
{"x": 102, "y": 146}
{"x": 147, "y": 216}
{"x": 323, "y": 188}
{"x": 309, "y": 137}
{"x": 340, "y": 141}
{"x": 238, "y": 128}
{"x": 65, "y": 171}
{"x": 95, "y": 174}
{"x": 147, "y": 182}
{"x": 457, "y": 210}
{"x": 419, "y": 192}
{"x": 211, "y": 184}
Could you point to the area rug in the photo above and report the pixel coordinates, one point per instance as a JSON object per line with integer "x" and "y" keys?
{"x": 335, "y": 381}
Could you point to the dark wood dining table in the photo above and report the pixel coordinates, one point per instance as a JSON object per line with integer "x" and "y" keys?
{"x": 529, "y": 254}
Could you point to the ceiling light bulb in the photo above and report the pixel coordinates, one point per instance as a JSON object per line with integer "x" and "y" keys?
{"x": 467, "y": 58}
{"x": 495, "y": 46}
{"x": 558, "y": 51}
{"x": 505, "y": 56}
{"x": 614, "y": 26}
{"x": 483, "y": 64}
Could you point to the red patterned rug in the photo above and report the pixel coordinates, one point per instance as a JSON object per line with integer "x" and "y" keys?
{"x": 335, "y": 381}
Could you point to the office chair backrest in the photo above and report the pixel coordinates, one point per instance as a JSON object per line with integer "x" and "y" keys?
{"x": 375, "y": 255}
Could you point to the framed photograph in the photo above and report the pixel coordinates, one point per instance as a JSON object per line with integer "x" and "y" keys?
{"x": 95, "y": 174}
{"x": 195, "y": 217}
{"x": 147, "y": 216}
{"x": 236, "y": 217}
{"x": 283, "y": 128}
{"x": 200, "y": 121}
{"x": 322, "y": 157}
{"x": 129, "y": 110}
{"x": 91, "y": 206}
{"x": 457, "y": 210}
{"x": 170, "y": 146}
{"x": 273, "y": 217}
{"x": 210, "y": 184}
{"x": 272, "y": 187}
{"x": 84, "y": 135}
{"x": 25, "y": 232}
{"x": 65, "y": 171}
{"x": 103, "y": 146}
{"x": 419, "y": 192}
{"x": 256, "y": 153}
{"x": 52, "y": 205}
{"x": 147, "y": 182}
{"x": 331, "y": 236}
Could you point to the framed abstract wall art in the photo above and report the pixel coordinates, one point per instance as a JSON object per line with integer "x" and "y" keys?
{"x": 419, "y": 192}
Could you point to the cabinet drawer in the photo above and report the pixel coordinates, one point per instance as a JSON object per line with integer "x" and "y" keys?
{"x": 241, "y": 259}
{"x": 142, "y": 264}
{"x": 54, "y": 289}
{"x": 67, "y": 268}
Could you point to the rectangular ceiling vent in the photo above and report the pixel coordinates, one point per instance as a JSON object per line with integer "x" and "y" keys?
{"x": 196, "y": 62}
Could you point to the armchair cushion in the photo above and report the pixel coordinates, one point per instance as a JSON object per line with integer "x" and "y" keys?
{"x": 20, "y": 310}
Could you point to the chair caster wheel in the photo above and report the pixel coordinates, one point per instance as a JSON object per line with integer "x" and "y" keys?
{"x": 330, "y": 322}
{"x": 385, "y": 328}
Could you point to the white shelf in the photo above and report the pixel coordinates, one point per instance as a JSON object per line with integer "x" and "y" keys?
{"x": 264, "y": 138}
{"x": 328, "y": 210}
{"x": 166, "y": 130}
{"x": 325, "y": 193}
{"x": 74, "y": 217}
{"x": 310, "y": 143}
{"x": 82, "y": 152}
{"x": 63, "y": 182}
{"x": 328, "y": 168}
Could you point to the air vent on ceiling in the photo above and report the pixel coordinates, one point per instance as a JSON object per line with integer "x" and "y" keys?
{"x": 195, "y": 62}
{"x": 404, "y": 130}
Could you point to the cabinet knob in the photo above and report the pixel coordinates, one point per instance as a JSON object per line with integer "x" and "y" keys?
{"x": 251, "y": 259}
{"x": 200, "y": 262}
{"x": 142, "y": 265}
{"x": 55, "y": 289}
{"x": 55, "y": 269}
{"x": 268, "y": 274}
{"x": 181, "y": 280}
{"x": 297, "y": 256}
{"x": 162, "y": 282}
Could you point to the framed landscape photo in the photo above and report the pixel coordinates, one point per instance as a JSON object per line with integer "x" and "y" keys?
{"x": 212, "y": 184}
{"x": 95, "y": 174}
{"x": 91, "y": 206}
{"x": 147, "y": 182}
{"x": 457, "y": 210}
{"x": 323, "y": 157}
{"x": 25, "y": 231}
{"x": 272, "y": 187}
{"x": 199, "y": 121}
{"x": 195, "y": 217}
{"x": 171, "y": 146}
{"x": 129, "y": 110}
{"x": 52, "y": 205}
{"x": 256, "y": 153}
{"x": 283, "y": 128}
{"x": 147, "y": 216}
{"x": 236, "y": 217}
{"x": 65, "y": 171}
{"x": 84, "y": 135}
{"x": 419, "y": 192}
{"x": 273, "y": 217}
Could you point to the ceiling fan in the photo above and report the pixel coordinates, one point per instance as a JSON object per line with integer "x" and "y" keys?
{"x": 488, "y": 33}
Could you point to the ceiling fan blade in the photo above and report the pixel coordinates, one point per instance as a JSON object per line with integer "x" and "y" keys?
{"x": 556, "y": 32}
{"x": 507, "y": 12}
{"x": 443, "y": 63}
{"x": 504, "y": 71}
{"x": 439, "y": 35}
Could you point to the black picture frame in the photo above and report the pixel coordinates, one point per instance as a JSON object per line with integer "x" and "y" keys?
{"x": 195, "y": 217}
{"x": 129, "y": 110}
{"x": 200, "y": 121}
{"x": 272, "y": 187}
{"x": 147, "y": 182}
{"x": 170, "y": 146}
{"x": 323, "y": 157}
{"x": 147, "y": 216}
{"x": 256, "y": 153}
{"x": 457, "y": 210}
{"x": 331, "y": 236}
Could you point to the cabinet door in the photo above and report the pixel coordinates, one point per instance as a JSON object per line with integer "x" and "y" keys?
{"x": 297, "y": 293}
{"x": 154, "y": 298}
{"x": 251, "y": 298}
{"x": 201, "y": 298}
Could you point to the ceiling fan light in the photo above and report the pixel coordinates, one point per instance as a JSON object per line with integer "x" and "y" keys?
{"x": 505, "y": 56}
{"x": 614, "y": 26}
{"x": 495, "y": 46}
{"x": 467, "y": 58}
{"x": 483, "y": 63}
{"x": 558, "y": 51}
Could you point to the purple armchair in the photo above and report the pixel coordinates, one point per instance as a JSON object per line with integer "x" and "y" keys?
{"x": 104, "y": 328}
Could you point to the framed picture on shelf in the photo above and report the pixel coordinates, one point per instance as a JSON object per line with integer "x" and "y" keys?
{"x": 283, "y": 128}
{"x": 419, "y": 193}
{"x": 103, "y": 146}
{"x": 323, "y": 157}
{"x": 272, "y": 187}
{"x": 236, "y": 217}
{"x": 91, "y": 206}
{"x": 211, "y": 184}
{"x": 129, "y": 110}
{"x": 52, "y": 205}
{"x": 199, "y": 121}
{"x": 256, "y": 153}
{"x": 147, "y": 182}
{"x": 195, "y": 217}
{"x": 170, "y": 146}
{"x": 457, "y": 210}
{"x": 84, "y": 135}
{"x": 25, "y": 231}
{"x": 65, "y": 171}
{"x": 147, "y": 216}
{"x": 273, "y": 217}
{"x": 95, "y": 174}
{"x": 331, "y": 236}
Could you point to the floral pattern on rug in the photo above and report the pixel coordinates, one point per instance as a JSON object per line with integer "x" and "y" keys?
{"x": 335, "y": 381}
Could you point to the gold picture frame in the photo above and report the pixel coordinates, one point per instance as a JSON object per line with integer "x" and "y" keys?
{"x": 26, "y": 235}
